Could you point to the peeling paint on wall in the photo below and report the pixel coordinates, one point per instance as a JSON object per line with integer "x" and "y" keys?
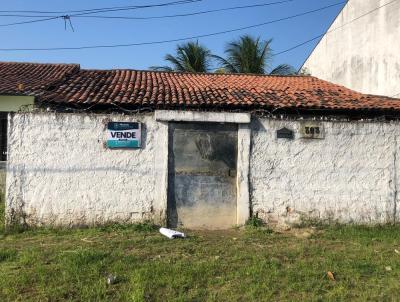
{"x": 60, "y": 172}
{"x": 349, "y": 177}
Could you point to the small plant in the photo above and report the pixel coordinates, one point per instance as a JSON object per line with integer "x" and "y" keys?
{"x": 15, "y": 223}
{"x": 307, "y": 222}
{"x": 8, "y": 254}
{"x": 254, "y": 222}
{"x": 145, "y": 227}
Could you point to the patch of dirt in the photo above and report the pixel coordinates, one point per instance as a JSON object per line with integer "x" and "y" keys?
{"x": 302, "y": 233}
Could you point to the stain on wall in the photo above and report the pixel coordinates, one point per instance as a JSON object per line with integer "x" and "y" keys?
{"x": 202, "y": 175}
{"x": 349, "y": 176}
{"x": 59, "y": 171}
{"x": 362, "y": 55}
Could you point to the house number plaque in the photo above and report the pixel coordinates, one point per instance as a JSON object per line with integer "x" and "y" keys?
{"x": 312, "y": 130}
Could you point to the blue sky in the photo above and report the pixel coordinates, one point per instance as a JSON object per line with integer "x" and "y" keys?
{"x": 89, "y": 31}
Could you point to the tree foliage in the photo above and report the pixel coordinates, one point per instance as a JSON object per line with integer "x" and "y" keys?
{"x": 244, "y": 55}
{"x": 251, "y": 55}
{"x": 189, "y": 57}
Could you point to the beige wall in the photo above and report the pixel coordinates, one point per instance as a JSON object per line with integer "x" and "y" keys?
{"x": 363, "y": 55}
{"x": 10, "y": 103}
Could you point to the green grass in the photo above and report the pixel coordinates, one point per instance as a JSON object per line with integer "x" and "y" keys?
{"x": 2, "y": 217}
{"x": 252, "y": 264}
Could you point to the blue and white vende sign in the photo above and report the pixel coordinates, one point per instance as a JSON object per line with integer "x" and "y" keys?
{"x": 124, "y": 135}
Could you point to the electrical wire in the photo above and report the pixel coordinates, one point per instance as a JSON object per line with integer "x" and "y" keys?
{"x": 30, "y": 21}
{"x": 104, "y": 9}
{"x": 84, "y": 13}
{"x": 190, "y": 14}
{"x": 160, "y": 17}
{"x": 26, "y": 16}
{"x": 177, "y": 39}
{"x": 134, "y": 7}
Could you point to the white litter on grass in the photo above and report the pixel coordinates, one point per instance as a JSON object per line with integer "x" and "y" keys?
{"x": 171, "y": 234}
{"x": 111, "y": 279}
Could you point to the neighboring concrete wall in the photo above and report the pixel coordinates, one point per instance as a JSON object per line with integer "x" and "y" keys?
{"x": 350, "y": 176}
{"x": 363, "y": 55}
{"x": 60, "y": 172}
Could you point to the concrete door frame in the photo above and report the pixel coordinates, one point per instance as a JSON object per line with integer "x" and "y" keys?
{"x": 163, "y": 117}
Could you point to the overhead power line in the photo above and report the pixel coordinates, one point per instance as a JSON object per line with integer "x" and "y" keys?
{"x": 85, "y": 13}
{"x": 133, "y": 7}
{"x": 191, "y": 14}
{"x": 177, "y": 39}
{"x": 158, "y": 17}
{"x": 30, "y": 21}
{"x": 103, "y": 9}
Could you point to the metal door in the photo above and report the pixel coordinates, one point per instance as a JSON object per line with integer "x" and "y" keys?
{"x": 202, "y": 175}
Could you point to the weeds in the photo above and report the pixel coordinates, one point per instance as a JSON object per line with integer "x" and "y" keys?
{"x": 73, "y": 265}
{"x": 234, "y": 265}
{"x": 8, "y": 255}
{"x": 145, "y": 227}
{"x": 254, "y": 222}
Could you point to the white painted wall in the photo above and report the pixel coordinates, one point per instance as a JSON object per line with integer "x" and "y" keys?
{"x": 60, "y": 172}
{"x": 363, "y": 55}
{"x": 350, "y": 176}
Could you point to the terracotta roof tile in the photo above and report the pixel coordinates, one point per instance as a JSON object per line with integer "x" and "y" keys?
{"x": 32, "y": 78}
{"x": 67, "y": 84}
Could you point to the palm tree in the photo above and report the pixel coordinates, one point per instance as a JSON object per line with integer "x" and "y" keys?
{"x": 251, "y": 55}
{"x": 190, "y": 57}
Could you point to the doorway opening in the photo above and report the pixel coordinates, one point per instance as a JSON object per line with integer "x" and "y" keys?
{"x": 202, "y": 175}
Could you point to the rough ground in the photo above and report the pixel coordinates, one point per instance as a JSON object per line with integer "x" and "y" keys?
{"x": 236, "y": 265}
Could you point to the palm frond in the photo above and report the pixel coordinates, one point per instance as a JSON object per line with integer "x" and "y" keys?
{"x": 160, "y": 68}
{"x": 283, "y": 69}
{"x": 191, "y": 57}
{"x": 265, "y": 54}
{"x": 247, "y": 55}
{"x": 176, "y": 62}
{"x": 225, "y": 64}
